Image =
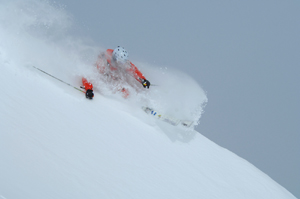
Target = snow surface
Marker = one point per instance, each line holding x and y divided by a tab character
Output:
54	143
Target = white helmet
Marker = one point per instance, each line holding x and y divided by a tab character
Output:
120	55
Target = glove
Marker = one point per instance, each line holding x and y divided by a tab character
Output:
146	83
89	94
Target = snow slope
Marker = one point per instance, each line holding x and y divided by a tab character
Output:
54	143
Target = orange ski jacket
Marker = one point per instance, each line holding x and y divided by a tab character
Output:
132	70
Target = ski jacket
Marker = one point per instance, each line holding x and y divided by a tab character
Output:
133	70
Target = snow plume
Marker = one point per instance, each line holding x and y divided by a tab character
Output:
38	33
171	92
175	93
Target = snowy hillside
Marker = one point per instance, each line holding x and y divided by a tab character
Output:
54	143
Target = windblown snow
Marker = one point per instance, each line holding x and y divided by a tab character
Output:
54	143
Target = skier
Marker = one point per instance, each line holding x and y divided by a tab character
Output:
110	64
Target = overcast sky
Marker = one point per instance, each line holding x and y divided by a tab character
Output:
244	54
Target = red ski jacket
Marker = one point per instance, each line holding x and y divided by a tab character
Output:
132	70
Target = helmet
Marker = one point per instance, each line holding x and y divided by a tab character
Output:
120	55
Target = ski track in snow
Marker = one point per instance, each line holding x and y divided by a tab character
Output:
54	143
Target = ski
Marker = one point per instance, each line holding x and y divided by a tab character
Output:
171	120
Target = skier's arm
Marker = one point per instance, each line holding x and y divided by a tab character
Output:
139	76
88	88
108	55
104	59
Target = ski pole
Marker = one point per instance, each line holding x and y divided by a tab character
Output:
58	79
